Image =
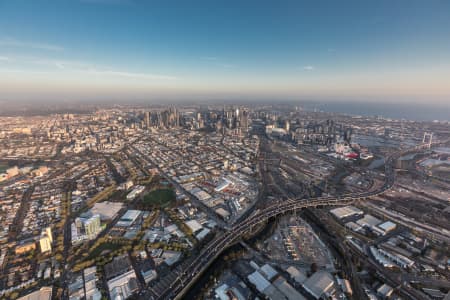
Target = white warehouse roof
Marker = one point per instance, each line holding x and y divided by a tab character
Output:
346	211
388	226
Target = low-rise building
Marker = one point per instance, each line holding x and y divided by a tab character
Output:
346	212
386	227
25	247
45	240
123	286
319	284
385	291
45	293
296	274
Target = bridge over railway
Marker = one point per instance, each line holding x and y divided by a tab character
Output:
191	270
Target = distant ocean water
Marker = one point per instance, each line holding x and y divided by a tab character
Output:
416	112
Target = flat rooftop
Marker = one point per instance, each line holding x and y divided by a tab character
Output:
346	211
319	283
45	293
107	210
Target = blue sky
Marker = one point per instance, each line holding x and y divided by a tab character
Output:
136	49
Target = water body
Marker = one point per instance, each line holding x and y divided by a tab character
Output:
377	141
394	110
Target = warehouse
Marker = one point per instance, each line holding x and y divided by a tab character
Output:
319	284
346	212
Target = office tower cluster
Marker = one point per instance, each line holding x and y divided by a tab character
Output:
168	118
233	120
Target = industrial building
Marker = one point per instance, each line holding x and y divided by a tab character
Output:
129	218
346	212
107	210
319	284
296	274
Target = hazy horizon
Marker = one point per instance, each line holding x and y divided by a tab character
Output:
387	109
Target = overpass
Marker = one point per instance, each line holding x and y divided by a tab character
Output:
192	270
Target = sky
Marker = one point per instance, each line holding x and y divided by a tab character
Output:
380	50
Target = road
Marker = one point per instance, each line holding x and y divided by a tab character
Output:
17	223
437	234
194	200
191	271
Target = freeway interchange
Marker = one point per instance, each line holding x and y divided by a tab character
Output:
191	270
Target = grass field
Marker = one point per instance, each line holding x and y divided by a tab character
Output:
159	198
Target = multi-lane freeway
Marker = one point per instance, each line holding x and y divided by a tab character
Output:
191	270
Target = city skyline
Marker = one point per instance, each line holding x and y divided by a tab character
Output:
128	50
169	150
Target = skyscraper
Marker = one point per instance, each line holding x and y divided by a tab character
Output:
244	121
147	119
